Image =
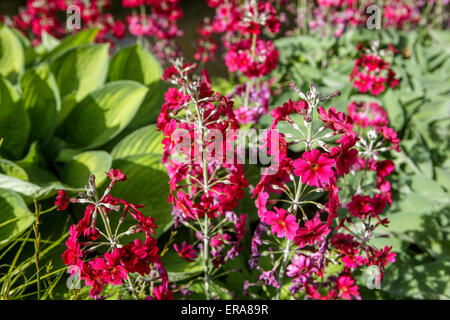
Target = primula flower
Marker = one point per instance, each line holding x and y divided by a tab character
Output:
315	168
282	223
313	231
301	268
186	252
116	175
62	200
345	156
347	288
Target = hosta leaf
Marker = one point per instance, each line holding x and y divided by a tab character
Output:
81	70
79	38
135	63
142	141
103	114
12	57
40	96
76	172
147	184
138	64
15	217
14	121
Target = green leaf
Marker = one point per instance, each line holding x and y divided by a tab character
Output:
79	38
15	217
12	56
40	96
180	269
142	141
76	172
103	114
147	184
14	121
48	41
135	63
11	169
138	64
81	70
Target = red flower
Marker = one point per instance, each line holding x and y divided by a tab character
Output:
186	252
313	230
315	168
345	156
116	175
62	200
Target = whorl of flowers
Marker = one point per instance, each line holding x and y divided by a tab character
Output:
101	253
44	15
321	208
204	187
371	72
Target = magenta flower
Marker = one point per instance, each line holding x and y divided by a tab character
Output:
347	287
315	169
186	252
282	223
301	268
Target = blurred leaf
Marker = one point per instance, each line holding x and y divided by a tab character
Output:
12	57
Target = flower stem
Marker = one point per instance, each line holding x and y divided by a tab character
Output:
282	268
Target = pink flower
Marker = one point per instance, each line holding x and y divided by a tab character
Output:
301	268
282	223
116	175
186	252
315	168
347	287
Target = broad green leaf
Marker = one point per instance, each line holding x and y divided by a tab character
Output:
138	64
81	70
11	169
40	96
15	217
180	269
14	121
76	172
48	41
135	63
69	42
12	57
103	114
142	141
147	184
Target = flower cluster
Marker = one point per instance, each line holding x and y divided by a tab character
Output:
204	187
102	255
334	17
315	224
44	16
371	72
242	26
159	23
